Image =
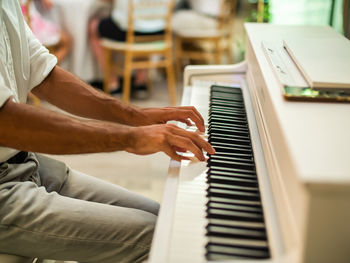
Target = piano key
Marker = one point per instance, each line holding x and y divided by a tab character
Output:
223	109
232	194
232	147
227	114
231	164
234	215
233	105
217	129
229	140
234	223
235	187
231	180
237	251
257	244
243	208
232	157
232	172
228	126
236	90
222	257
232	119
228	92
226	97
214	230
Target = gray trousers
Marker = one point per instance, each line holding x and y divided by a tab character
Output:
51	212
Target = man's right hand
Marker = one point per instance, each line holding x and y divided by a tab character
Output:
169	139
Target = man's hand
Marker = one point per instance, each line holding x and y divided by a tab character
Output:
169	139
151	116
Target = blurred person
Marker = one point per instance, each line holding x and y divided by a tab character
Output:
49	34
202	15
48	210
115	27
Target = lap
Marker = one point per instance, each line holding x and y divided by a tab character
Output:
82	218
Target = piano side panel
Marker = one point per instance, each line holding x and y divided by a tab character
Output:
309	173
290	199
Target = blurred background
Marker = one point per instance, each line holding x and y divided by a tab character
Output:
91	39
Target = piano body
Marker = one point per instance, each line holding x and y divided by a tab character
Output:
301	152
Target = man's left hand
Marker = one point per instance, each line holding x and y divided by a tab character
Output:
184	114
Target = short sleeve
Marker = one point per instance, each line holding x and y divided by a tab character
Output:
41	61
5	92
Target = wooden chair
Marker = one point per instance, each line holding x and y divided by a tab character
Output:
139	50
207	44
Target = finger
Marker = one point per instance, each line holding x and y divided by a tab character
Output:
173	155
178	149
196	113
195	137
186	121
197	119
184	142
188	113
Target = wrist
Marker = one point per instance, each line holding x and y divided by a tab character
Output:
131	139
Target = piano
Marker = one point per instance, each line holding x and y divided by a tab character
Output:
278	188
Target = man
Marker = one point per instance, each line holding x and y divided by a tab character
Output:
46	209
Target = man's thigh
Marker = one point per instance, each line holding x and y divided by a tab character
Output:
55	176
81	186
36	223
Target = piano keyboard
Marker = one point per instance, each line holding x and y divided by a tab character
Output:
236	228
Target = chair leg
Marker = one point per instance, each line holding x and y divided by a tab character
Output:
218	52
127	78
107	70
171	78
178	57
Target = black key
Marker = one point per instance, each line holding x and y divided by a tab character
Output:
231	180
236	207
232	157
238	132
228	140
218	192
234	215
235	187
223	89
236	251
253	244
214	230
234	223
221	109
227	114
231	164
231	171
232	119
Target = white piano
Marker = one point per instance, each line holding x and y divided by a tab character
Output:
279	188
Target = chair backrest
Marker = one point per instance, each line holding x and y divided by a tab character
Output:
150	11
227	14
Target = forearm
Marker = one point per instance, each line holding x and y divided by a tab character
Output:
30	128
67	92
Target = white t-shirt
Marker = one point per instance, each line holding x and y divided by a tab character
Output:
120	17
24	62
